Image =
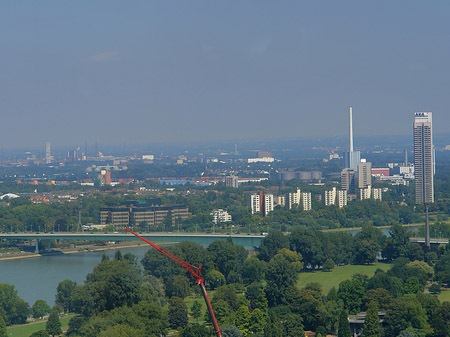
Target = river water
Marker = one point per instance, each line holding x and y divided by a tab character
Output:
37	278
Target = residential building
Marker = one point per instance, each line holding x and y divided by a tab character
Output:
365	193
220	215
377	193
306	200
232	181
268	204
255	203
341	198
294	199
329	197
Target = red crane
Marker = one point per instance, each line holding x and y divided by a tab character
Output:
195	271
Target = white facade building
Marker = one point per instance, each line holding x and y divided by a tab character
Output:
268	204
219	215
294	198
341	198
306	200
329	197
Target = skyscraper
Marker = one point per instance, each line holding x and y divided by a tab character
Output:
423	157
424	164
48	156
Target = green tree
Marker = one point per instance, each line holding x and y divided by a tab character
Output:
230	331
344	325
122	330
40	308
292	325
178	313
53	326
372	322
440	320
404	313
273	327
40	333
351	292
214	279
328	265
13	309
253	270
3	332
178	285
398	243
196	330
257	321
271	244
63	294
196	310
280	275
242	319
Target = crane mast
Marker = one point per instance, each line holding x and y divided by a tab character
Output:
194	271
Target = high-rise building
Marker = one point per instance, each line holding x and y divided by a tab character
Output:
348	180
364	174
232	181
268	204
423	158
341	198
330	197
424	164
365	193
294	198
255	203
306	201
48	156
377	193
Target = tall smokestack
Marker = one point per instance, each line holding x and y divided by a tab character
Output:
351	131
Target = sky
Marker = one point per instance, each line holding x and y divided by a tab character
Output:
142	72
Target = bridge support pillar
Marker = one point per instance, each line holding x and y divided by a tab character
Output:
37	246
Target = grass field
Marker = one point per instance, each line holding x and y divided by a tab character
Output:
444	296
338	274
27	330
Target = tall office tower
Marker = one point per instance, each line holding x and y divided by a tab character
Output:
364	174
255	203
348	180
424	163
306	201
341	198
294	198
48	156
330	197
231	181
351	158
268	204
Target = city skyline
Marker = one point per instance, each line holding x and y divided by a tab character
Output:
115	72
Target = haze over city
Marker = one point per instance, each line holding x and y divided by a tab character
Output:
173	71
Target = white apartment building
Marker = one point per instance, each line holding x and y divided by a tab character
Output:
294	198
341	198
255	203
220	215
306	200
268	204
377	193
330	197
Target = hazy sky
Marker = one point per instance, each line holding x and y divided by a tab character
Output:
158	71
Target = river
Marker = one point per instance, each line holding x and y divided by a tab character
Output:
37	278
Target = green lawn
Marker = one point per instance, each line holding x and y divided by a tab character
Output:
444	296
27	330
338	274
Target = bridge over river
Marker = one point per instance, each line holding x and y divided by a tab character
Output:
248	241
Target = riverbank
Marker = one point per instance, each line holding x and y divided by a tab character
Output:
71	250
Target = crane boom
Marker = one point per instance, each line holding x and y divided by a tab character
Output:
194	271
